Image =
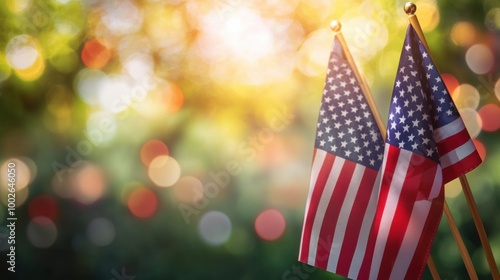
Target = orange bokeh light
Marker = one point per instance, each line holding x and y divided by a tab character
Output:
450	81
173	98
489	114
142	202
481	149
95	54
152	149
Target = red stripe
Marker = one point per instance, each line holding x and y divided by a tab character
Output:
390	166
313	205
461	167
453	142
417	185
332	213
355	221
422	253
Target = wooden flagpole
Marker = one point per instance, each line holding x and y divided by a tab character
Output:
479	227
410	10
432	268
460	243
336	26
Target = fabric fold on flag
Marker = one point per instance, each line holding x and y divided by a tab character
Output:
427	146
343	190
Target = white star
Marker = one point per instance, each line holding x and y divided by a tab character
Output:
402	119
321	143
398	134
330	138
429	152
343	144
430	67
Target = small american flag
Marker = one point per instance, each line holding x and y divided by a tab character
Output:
343	190
427	146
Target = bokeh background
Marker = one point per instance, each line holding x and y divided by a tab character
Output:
173	139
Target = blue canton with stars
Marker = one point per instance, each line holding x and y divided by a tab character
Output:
420	101
346	126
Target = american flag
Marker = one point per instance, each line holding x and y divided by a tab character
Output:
427	146
343	189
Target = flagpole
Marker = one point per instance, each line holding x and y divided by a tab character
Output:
336	26
432	268
410	9
460	242
479	227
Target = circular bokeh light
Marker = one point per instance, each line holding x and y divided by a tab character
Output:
43	206
101	231
270	225
152	149
188	189
490	117
142	202
42	232
164	171
480	59
215	228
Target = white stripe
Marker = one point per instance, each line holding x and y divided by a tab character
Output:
448	130
418	218
319	158
340	227
364	232
413	232
322	206
457	154
397	181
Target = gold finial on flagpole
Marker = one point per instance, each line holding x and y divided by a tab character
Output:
335	25
410	8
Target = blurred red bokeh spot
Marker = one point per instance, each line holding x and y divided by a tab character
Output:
142	202
95	54
270	224
43	206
